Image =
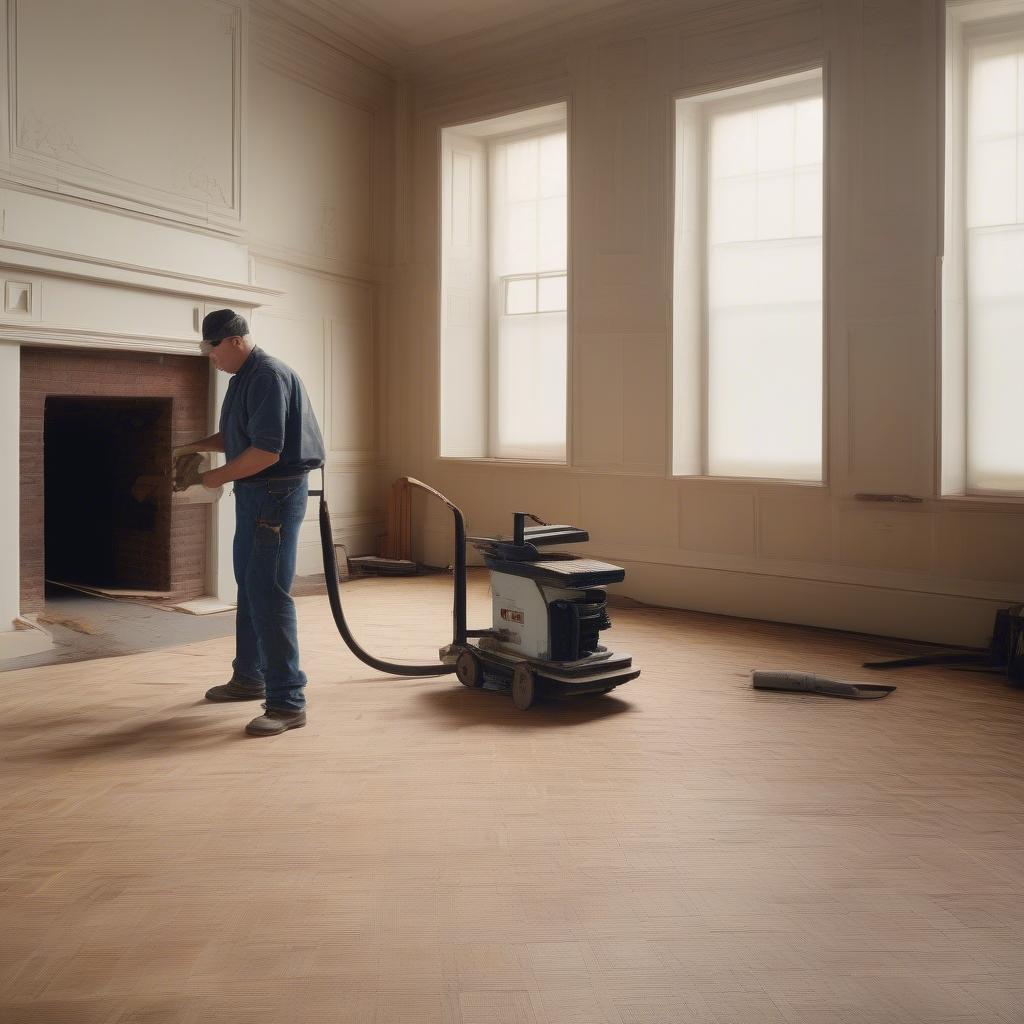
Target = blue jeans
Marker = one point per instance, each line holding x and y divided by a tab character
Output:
268	514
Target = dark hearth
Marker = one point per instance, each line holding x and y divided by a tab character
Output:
134	406
102	527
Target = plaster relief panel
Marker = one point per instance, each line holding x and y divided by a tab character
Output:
21	299
794	529
353	387
892	125
620	399
637	511
90	308
889	407
617	182
894	171
644	402
612	144
751	46
311	160
719	523
598	401
552	496
981	545
299	342
892	540
353	496
134	101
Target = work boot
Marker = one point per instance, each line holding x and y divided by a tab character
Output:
236	689
275	720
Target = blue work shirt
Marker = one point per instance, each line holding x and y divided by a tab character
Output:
267	407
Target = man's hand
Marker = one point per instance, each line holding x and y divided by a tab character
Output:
186	470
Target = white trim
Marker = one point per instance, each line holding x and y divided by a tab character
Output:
528	121
353	34
52	176
764	90
924	615
56	263
30	333
543	37
970	26
762	567
10	503
322	266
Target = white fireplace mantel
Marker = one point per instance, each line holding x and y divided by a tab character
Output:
49	297
54	263
57	298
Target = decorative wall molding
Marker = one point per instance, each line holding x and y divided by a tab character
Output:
313	59
54	263
953	618
341	461
55	165
355	520
538	39
352	452
921	582
335	269
775	36
338	238
21	298
25	333
363	39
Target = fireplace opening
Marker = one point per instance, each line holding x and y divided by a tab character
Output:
107	491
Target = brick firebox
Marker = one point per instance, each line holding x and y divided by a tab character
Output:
97	374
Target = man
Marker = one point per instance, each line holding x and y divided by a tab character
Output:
271	440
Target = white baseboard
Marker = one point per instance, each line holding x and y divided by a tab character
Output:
857	607
882	611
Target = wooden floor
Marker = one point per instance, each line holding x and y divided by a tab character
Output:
688	851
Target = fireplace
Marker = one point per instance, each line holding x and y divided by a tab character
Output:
97	429
106	493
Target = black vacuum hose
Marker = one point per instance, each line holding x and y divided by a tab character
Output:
334	596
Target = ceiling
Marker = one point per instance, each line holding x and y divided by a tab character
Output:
415	24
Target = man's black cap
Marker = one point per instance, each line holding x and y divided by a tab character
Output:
224	323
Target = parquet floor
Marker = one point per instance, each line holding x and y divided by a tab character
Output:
688	851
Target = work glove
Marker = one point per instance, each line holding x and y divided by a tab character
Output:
188	471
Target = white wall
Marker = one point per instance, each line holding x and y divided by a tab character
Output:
159	160
10	370
934	570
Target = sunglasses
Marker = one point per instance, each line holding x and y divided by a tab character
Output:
206	345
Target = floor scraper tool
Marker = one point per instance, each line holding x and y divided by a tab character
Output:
549	609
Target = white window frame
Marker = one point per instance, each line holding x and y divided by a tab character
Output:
553	275
761	93
497	286
969	24
498	291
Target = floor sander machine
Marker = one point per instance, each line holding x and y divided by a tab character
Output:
549	609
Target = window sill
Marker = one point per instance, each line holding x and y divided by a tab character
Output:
486	461
758	481
982	502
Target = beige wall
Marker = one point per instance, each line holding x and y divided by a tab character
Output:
218	154
158	160
935	570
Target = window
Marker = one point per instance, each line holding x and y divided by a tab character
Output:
748	335
505	288
983	287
